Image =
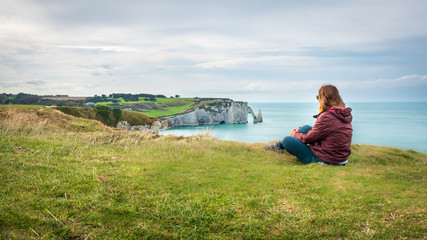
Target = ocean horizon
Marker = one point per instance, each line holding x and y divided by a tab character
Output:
395	124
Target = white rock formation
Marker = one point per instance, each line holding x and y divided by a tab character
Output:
217	112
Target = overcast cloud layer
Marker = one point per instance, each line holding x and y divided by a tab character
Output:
246	50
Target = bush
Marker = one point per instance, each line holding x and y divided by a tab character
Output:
106	115
117	113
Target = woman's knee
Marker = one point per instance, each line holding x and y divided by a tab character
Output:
290	142
305	129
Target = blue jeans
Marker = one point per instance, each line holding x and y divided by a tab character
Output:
297	148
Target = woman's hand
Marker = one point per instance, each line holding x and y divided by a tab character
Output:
295	130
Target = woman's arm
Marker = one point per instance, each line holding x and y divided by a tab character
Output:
320	130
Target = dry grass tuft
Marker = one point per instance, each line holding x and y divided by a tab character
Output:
14	121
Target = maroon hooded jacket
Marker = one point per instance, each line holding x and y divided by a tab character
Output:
330	137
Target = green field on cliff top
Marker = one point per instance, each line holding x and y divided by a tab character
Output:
156	108
63	177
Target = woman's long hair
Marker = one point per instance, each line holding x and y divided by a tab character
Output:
329	96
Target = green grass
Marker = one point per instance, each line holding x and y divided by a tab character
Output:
168	111
104	103
88	181
174	100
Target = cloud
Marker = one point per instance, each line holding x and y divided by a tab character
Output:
107	66
253	86
36	82
413	80
264	60
113	49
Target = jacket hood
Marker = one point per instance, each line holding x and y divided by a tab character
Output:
343	114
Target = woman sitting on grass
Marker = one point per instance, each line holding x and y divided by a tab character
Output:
329	140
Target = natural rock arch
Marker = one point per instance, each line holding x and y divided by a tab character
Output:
257	118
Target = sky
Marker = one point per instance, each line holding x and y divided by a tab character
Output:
246	50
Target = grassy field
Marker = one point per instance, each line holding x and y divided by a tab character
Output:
158	108
167	112
68	178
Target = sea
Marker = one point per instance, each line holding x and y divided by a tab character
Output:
398	124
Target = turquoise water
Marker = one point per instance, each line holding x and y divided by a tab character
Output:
402	125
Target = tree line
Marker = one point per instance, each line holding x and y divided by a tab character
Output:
24	98
31	99
125	96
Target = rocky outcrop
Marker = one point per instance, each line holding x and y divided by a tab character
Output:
213	112
143	128
257	118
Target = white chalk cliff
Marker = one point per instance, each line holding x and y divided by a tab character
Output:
221	111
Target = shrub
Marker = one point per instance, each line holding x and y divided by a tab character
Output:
105	115
117	113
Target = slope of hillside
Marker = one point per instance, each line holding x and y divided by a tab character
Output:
72	178
108	116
